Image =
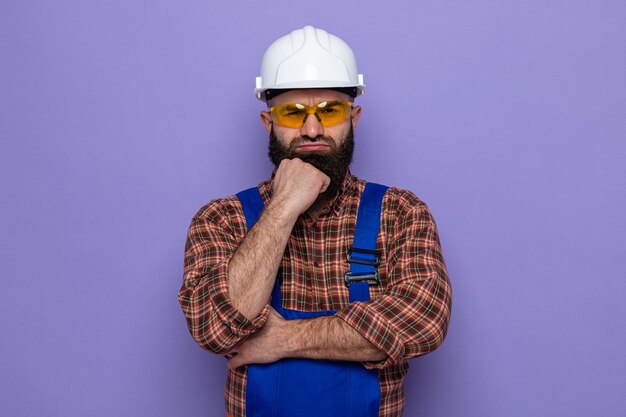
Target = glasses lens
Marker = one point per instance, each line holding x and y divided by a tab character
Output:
329	113
333	112
289	115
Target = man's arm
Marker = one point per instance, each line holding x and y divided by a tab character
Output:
253	268
226	287
326	337
410	317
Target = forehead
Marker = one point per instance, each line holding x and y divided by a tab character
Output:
309	96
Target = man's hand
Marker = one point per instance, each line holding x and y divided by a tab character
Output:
264	346
297	185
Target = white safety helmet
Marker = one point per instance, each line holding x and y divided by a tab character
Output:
308	58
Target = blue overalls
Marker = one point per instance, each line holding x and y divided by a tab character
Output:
320	388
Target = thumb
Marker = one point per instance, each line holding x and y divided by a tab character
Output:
325	183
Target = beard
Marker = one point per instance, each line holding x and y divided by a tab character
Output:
334	163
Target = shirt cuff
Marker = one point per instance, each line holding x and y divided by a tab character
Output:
226	311
370	325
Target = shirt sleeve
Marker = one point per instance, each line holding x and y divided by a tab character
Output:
213	321
410	317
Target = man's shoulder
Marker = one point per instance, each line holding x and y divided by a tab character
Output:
227	206
401	197
395	197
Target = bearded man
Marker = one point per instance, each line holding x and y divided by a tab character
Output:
317	286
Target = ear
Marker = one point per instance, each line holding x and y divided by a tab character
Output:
355	115
266	119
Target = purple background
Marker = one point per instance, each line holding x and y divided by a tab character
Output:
119	119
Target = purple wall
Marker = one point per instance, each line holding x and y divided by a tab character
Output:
119	119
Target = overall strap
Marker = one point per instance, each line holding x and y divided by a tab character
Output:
363	256
252	204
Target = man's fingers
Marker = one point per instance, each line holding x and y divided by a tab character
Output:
297	184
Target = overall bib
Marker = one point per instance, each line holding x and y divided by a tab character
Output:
320	388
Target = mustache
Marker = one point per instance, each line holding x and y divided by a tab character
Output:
301	140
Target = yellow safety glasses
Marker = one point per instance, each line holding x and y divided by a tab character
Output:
328	113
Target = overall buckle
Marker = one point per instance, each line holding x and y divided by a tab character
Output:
371	277
374	263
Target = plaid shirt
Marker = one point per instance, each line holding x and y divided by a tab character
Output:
408	313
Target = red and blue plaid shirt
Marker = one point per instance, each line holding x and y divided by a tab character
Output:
408	313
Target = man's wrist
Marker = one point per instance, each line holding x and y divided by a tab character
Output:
326	337
279	212
303	337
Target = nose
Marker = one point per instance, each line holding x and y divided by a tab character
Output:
312	127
